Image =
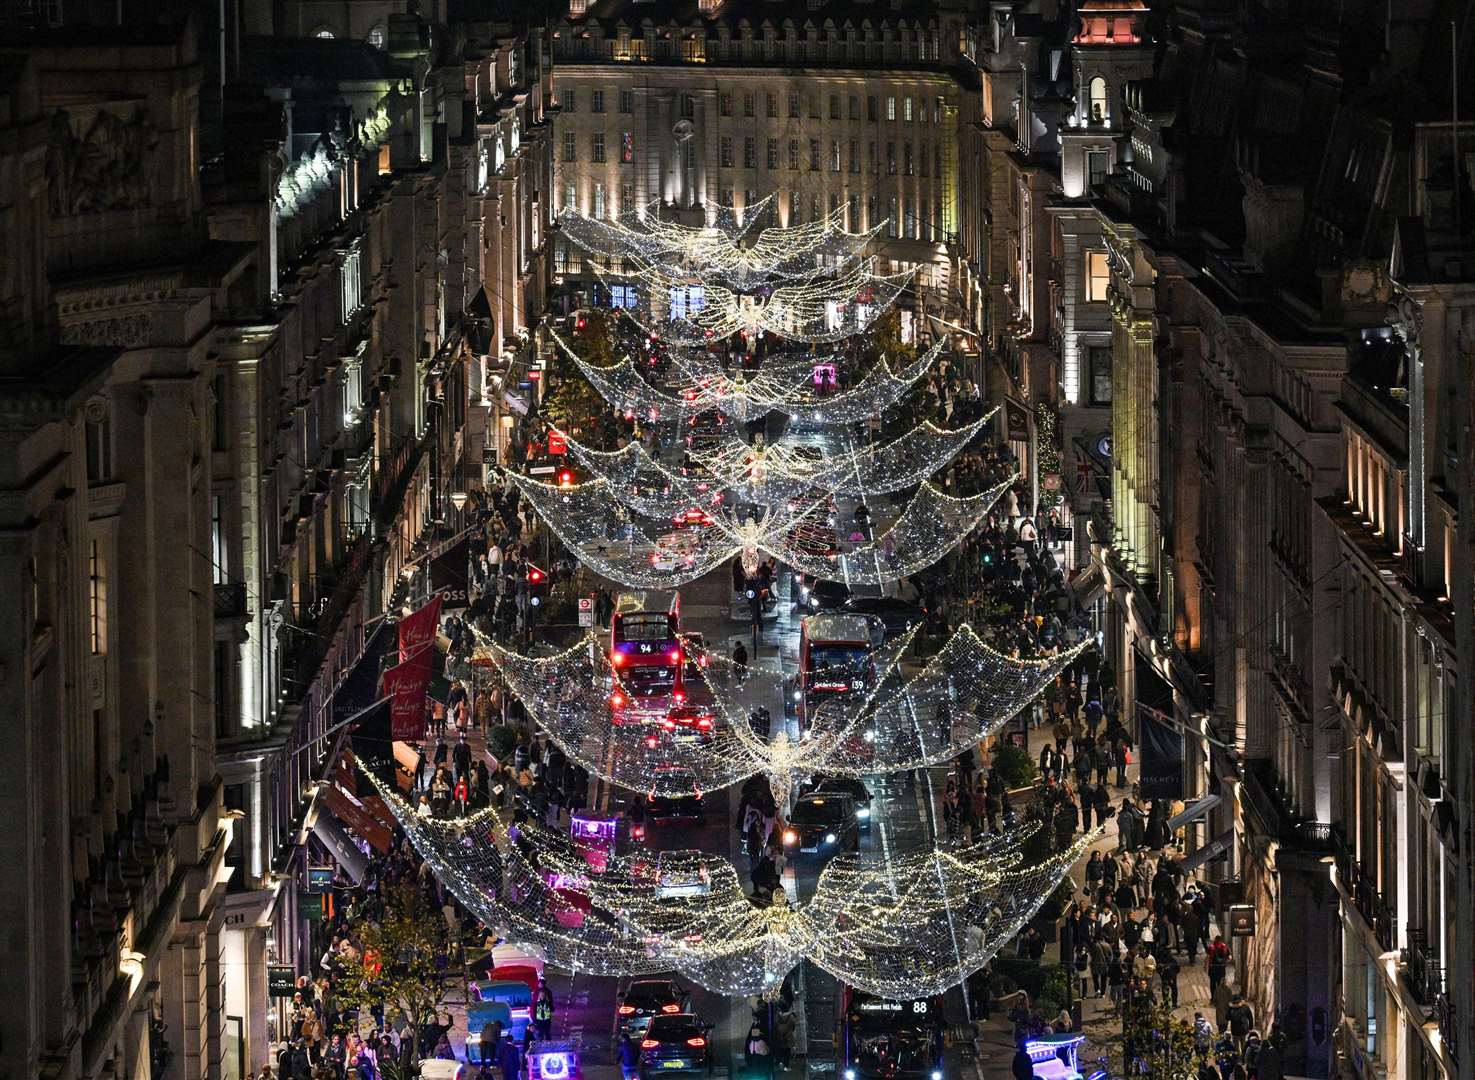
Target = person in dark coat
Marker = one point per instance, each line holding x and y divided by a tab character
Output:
1023	1067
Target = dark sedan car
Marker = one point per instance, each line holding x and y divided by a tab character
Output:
823	595
823	823
850	786
895	615
675	1044
644	999
674	797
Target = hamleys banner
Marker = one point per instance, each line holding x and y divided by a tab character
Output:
417	634
405	686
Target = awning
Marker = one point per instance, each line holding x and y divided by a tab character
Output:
352	813
1212	850
448	575
1193	811
517	404
1088	584
340	845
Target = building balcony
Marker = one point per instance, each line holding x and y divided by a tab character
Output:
1264	792
230	600
1419	965
1449	1030
1360	887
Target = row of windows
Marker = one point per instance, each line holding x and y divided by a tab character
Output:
923	160
907	108
911	219
624	47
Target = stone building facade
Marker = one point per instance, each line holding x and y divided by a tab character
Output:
1268	467
852	112
117	837
391	196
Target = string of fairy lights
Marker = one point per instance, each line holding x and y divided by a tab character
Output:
906	925
901	924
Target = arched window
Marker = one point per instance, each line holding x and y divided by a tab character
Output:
376	36
323	32
1097	101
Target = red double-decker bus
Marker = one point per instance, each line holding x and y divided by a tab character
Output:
646	653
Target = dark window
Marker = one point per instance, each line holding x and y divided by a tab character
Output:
1099	359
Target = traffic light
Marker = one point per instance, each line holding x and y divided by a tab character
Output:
537	580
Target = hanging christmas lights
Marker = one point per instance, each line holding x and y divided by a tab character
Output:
742	255
902	926
694	311
592	523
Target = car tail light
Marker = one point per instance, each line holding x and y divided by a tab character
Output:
617	659
680	696
617	700
675	656
701	661
670	1008
697	1041
704	722
668	724
650	742
626	1010
648	1044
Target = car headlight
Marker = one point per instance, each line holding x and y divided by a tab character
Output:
849	1074
862	811
830	838
936	1074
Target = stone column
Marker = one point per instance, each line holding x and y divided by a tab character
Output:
170	531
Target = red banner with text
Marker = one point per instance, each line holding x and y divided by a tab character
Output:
405	687
417	634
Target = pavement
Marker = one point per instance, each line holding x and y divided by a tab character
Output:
1100	1020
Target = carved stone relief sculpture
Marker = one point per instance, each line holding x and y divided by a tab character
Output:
106	167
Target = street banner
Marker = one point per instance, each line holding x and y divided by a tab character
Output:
417	635
1161	746
405	686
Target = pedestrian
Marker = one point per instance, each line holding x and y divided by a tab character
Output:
1216	961
543	1011
461	756
1023	1066
1167	973
1101	954
759	1055
784	1025
1241	1020
1115	978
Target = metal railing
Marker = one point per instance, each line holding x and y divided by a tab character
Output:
1362	888
1449	1025
1420	967
230	600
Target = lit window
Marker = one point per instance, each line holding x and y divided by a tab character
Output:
97	598
324	33
1097	98
598	145
376	37
1097	276
891	108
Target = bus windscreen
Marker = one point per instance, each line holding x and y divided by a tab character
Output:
644	627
